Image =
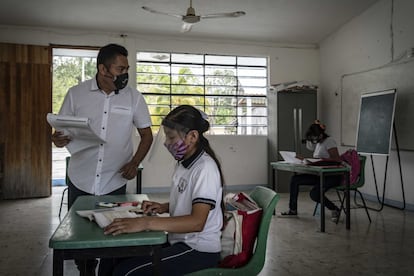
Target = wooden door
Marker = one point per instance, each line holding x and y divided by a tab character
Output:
25	99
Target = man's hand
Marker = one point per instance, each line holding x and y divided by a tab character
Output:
129	170
59	139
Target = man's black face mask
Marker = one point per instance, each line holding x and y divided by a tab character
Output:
121	81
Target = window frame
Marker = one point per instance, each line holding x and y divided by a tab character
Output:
242	121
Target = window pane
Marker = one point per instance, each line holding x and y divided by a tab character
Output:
153	68
187	89
253	61
186	58
153	88
221	101
187	69
259	91
253	81
187	79
153	56
251	72
221	90
153	78
220	59
221	70
179	100
221	80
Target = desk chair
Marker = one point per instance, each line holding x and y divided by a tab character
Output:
267	199
353	187
66	189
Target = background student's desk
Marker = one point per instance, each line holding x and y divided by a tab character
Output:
77	237
321	172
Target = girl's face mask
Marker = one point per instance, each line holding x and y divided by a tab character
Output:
315	139
177	149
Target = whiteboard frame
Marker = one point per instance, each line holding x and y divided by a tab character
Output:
373	94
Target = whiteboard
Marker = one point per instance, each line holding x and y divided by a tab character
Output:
375	122
399	76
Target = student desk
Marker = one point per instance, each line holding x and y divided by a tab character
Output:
321	172
77	237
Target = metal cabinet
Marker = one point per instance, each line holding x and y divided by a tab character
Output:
295	112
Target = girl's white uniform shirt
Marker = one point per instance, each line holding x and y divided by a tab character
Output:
198	181
321	149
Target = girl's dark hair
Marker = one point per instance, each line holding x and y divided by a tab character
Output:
107	54
315	130
185	118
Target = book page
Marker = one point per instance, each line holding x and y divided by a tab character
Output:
78	129
103	219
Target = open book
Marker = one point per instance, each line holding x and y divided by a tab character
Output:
104	217
78	129
290	157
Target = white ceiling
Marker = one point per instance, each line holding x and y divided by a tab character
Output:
282	21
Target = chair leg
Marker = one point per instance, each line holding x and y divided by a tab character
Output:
61	201
365	206
342	208
315	209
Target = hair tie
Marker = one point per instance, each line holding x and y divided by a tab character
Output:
322	126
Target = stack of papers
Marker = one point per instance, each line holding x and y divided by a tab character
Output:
78	129
290	157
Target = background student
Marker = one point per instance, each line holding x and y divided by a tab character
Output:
323	147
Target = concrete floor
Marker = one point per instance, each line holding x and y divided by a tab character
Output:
295	245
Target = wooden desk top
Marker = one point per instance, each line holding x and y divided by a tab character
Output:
76	232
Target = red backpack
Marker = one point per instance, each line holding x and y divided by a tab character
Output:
351	158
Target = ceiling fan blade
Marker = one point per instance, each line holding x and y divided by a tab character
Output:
160	12
222	15
186	27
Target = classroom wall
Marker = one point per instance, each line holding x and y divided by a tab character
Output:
244	158
373	39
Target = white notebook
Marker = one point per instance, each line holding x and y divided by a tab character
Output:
290	157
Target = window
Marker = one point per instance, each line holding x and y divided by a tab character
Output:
231	90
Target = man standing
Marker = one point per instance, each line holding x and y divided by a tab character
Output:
114	110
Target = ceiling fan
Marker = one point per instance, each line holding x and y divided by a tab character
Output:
191	17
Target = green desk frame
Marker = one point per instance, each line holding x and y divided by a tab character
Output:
77	237
139	179
321	172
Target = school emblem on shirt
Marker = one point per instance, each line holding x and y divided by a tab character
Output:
182	185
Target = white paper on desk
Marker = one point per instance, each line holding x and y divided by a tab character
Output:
290	157
312	160
78	129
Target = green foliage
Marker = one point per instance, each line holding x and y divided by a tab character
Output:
67	72
155	79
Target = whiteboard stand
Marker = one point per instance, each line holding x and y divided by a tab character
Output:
382	201
375	127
